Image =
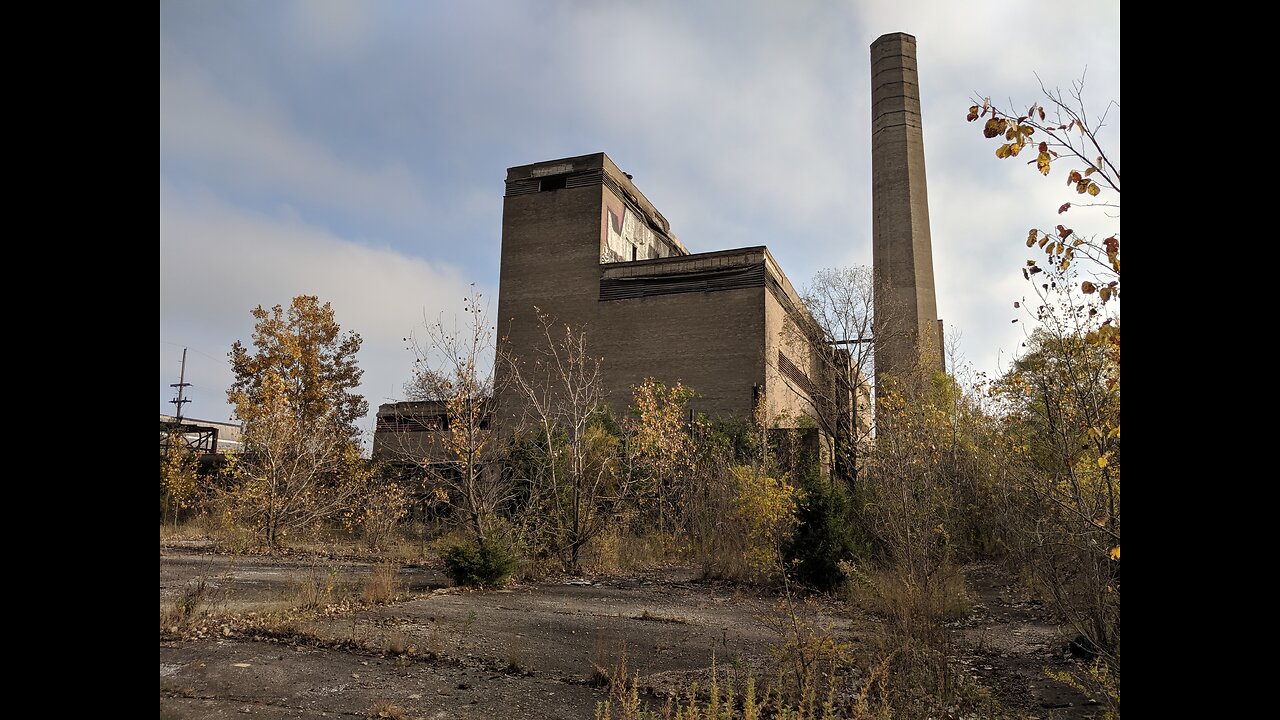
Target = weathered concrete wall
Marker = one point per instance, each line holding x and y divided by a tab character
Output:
411	432
902	252
794	382
694	318
710	341
550	259
628	235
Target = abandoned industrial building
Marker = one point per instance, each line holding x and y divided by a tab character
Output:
584	246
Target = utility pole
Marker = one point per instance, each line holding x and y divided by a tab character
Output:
182	385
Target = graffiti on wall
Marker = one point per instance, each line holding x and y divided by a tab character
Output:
626	236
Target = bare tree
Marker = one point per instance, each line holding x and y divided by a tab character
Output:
571	459
837	335
454	367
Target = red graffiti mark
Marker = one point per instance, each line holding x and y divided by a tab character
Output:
615	218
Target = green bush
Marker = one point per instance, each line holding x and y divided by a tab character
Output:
825	535
479	563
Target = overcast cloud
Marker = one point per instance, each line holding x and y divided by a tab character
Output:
356	150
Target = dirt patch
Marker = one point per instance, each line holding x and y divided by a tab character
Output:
1009	644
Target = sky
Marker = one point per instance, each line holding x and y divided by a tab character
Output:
357	150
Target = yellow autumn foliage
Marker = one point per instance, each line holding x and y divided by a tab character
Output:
766	507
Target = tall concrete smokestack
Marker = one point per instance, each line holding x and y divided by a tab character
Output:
906	332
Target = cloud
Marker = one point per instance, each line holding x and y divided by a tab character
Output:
732	123
1000	47
746	123
244	138
337	29
755	127
218	261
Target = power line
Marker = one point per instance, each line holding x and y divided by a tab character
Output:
194	350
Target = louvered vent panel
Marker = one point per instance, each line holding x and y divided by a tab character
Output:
533	185
522	187
796	375
591	177
703	281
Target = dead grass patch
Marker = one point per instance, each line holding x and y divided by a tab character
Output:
313	590
387	710
382	585
654	617
910	605
199	598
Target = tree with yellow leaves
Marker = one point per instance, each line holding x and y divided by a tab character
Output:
660	450
295	392
1062	130
1060	403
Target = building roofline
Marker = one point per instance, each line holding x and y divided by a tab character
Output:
771	264
405	405
191	420
687	258
614	176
